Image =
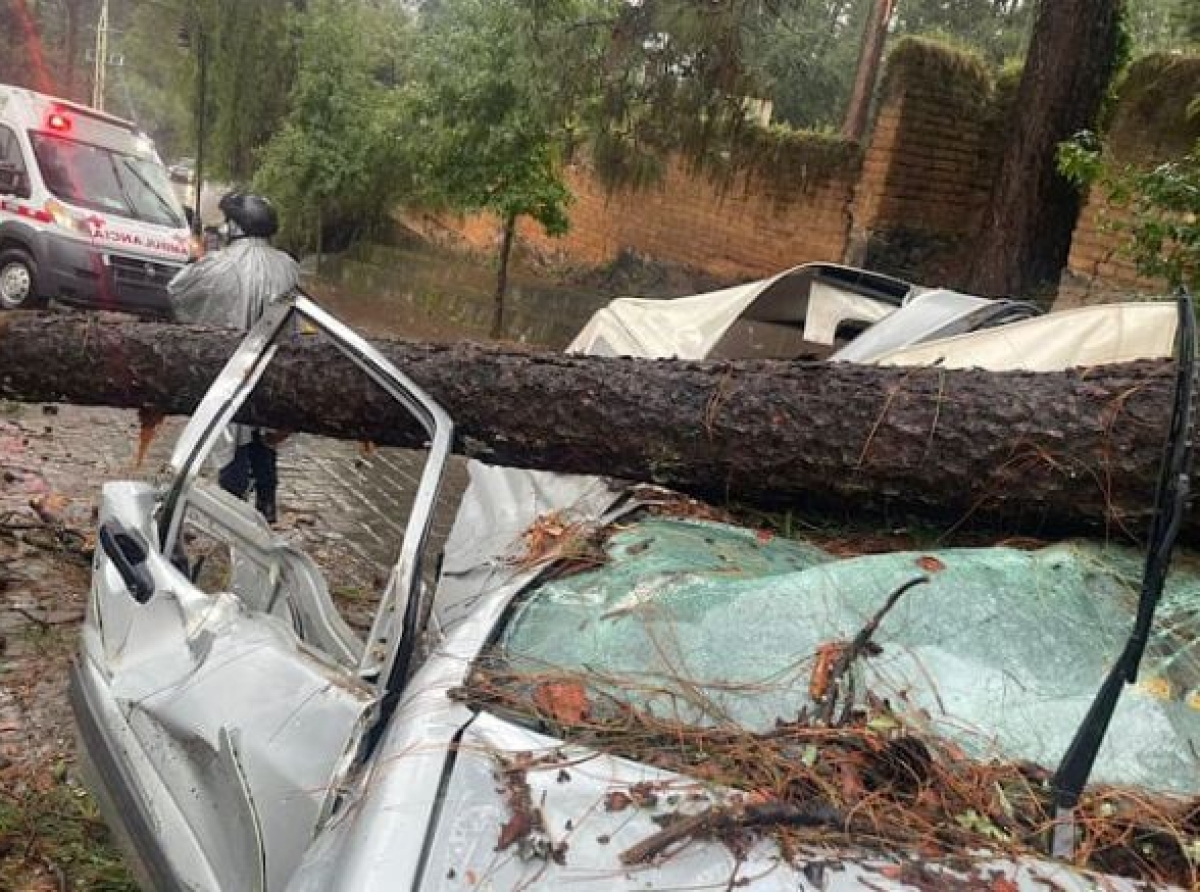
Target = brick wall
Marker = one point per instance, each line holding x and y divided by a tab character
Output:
737	231
1150	125
911	206
926	173
1099	270
904	205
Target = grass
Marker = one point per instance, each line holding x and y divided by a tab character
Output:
52	836
959	74
1152	121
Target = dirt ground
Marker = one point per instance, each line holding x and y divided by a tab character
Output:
342	504
51	837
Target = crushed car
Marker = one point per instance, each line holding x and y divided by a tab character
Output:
610	686
811	311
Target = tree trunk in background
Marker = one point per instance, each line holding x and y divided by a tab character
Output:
320	236
1017	452
71	49
1032	213
510	231
874	39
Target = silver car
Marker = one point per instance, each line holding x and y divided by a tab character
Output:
526	724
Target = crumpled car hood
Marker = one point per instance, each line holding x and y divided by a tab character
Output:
593	807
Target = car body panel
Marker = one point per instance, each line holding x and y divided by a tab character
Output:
812	311
1078	337
798	310
259	743
229	719
441	769
570	787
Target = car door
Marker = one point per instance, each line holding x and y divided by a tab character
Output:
220	695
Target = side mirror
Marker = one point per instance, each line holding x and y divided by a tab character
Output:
128	552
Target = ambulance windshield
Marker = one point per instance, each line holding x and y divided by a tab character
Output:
104	180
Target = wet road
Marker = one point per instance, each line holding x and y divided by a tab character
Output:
344	503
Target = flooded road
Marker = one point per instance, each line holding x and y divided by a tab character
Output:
425	294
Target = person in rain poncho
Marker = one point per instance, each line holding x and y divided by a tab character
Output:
231	288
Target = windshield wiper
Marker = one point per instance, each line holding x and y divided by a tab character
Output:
172	217
1170	502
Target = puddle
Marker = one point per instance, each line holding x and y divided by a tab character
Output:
428	295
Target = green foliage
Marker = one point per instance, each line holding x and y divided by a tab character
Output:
43	45
1151	121
1166	230
806	54
1080	159
154	86
952	70
334	161
1163	229
804	60
787	162
995	30
57	823
483	115
251	62
1163	25
249	56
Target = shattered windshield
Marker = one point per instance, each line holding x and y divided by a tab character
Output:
697	624
94	177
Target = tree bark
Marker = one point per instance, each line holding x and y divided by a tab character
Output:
510	232
869	61
320	236
1031	216
1015	451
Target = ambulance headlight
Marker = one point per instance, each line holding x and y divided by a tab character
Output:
67	219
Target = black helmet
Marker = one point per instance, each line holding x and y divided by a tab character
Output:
252	214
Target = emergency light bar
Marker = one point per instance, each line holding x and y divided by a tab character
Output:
58	122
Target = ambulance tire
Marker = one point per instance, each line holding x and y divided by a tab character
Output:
18	280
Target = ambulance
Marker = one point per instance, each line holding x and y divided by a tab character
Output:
87	212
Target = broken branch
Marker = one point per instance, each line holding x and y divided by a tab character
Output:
857	647
715	821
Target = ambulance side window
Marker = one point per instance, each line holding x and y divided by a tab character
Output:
12	162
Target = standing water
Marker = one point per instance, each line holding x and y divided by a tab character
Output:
422	293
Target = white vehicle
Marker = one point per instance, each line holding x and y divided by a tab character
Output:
87	213
523	725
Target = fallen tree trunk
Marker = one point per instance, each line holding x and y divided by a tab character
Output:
1015	451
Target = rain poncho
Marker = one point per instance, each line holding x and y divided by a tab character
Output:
231	288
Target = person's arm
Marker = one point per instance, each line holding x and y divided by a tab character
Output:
192	289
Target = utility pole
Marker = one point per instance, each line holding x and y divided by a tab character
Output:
100	74
193	36
201	122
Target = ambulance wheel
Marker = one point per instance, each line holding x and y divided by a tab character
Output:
18	280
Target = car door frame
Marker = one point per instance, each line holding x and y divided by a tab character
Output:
126	776
391	643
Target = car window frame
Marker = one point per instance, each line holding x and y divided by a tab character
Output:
391	644
11	143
